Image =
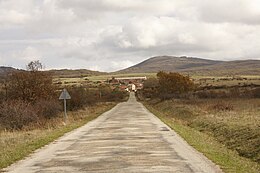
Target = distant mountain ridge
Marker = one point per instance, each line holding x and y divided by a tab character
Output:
183	64
197	66
4	71
75	73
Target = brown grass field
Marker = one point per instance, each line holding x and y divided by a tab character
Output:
221	119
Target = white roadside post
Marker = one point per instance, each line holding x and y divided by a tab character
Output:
64	96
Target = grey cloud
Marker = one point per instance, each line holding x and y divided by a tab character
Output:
232	11
112	34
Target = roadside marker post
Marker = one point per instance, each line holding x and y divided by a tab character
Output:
65	96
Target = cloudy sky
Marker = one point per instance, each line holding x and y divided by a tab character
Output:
108	35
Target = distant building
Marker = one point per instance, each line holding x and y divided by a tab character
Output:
128	83
132	87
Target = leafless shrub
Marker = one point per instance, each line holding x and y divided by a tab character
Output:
211	94
81	97
256	93
223	107
48	108
31	85
16	114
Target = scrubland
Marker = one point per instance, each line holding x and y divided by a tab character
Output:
31	112
221	121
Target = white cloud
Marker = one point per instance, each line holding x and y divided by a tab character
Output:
29	54
121	64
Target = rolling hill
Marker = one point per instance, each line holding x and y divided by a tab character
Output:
67	73
63	73
195	66
4	71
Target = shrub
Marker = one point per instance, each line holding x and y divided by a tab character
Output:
108	94
256	93
223	107
31	85
81	97
48	108
211	94
173	84
16	114
150	88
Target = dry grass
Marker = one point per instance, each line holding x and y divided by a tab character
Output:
227	81
233	122
228	160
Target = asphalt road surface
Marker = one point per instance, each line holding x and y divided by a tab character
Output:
127	138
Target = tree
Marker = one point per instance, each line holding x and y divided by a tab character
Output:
34	66
31	85
173	84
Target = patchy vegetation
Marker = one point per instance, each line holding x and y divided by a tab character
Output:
229	115
30	112
227	159
30	98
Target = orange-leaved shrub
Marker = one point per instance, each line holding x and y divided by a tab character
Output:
173	84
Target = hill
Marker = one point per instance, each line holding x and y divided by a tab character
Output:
64	73
196	66
4	71
67	73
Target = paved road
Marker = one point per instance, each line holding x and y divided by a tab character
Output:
127	138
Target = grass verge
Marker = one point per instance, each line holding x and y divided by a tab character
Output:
19	144
228	160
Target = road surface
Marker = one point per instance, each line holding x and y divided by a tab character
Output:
128	138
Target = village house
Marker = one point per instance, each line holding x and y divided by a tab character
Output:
128	83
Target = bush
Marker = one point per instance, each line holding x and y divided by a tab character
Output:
256	93
108	94
16	114
81	97
173	85
48	108
31	85
223	107
211	94
150	88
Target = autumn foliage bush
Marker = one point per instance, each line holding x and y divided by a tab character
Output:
167	86
173	84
